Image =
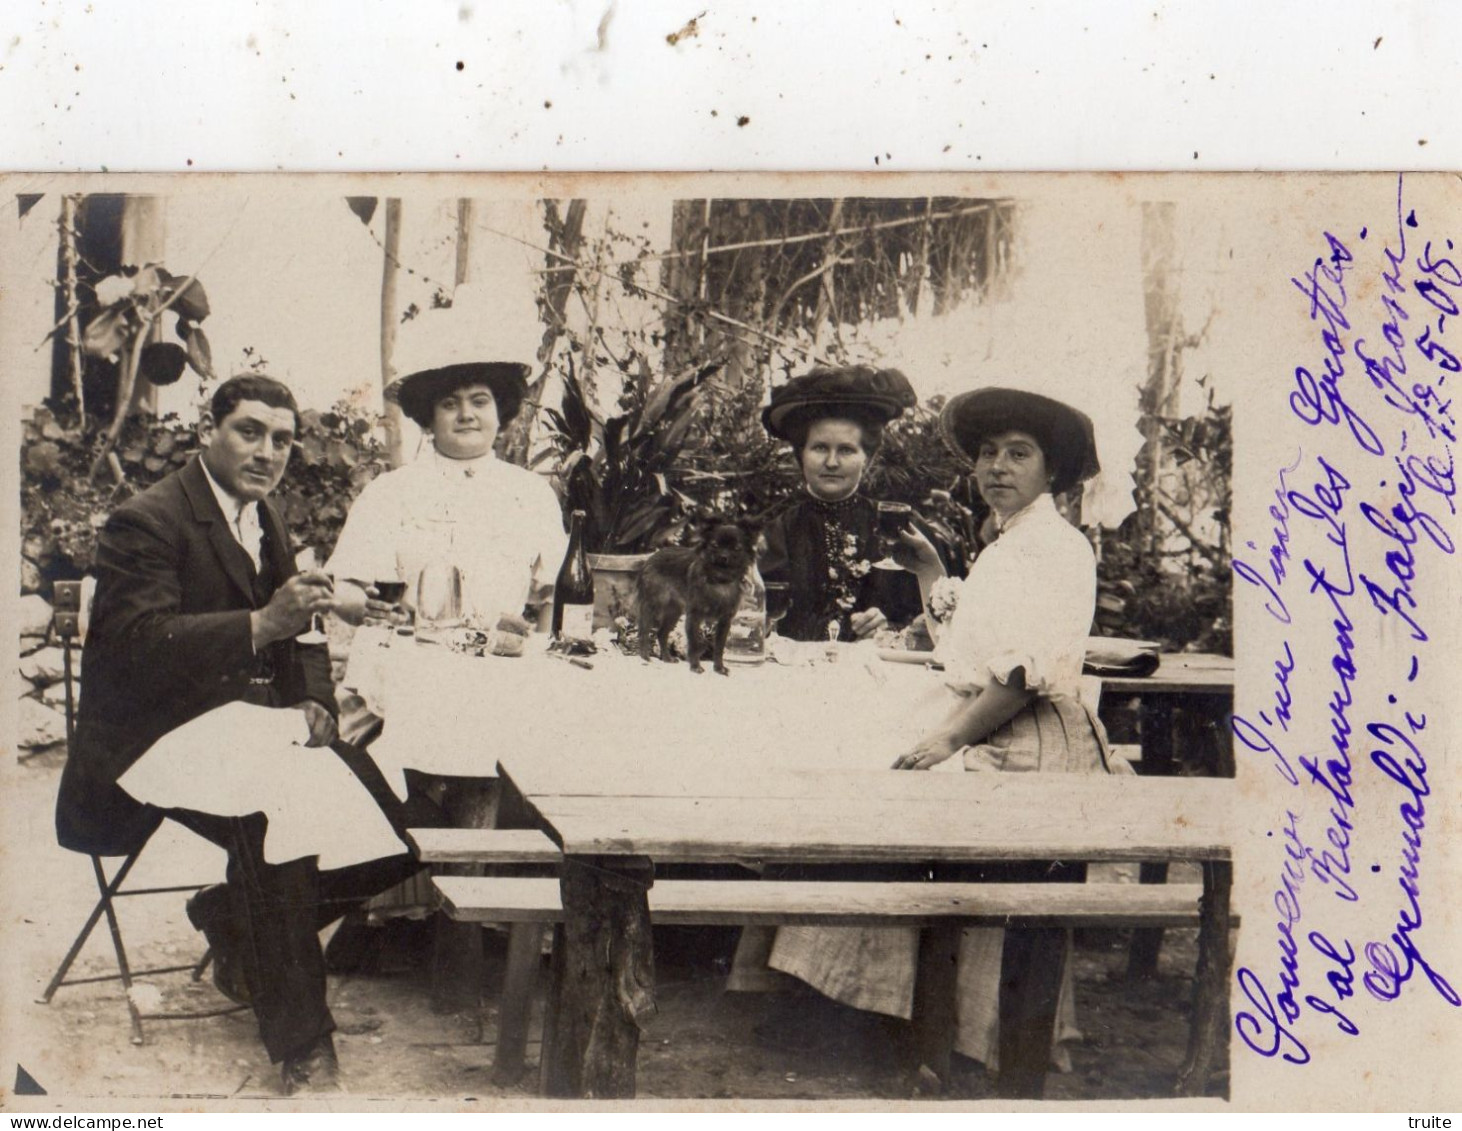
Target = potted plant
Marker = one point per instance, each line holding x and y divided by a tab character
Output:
618	470
123	330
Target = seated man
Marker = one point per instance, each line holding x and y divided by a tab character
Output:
197	605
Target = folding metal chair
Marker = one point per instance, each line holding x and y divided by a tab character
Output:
66	620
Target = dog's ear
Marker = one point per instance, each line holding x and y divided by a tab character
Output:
695	528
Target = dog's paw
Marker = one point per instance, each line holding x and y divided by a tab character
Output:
722	669
697	668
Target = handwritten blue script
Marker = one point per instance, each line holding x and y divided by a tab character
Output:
1358	520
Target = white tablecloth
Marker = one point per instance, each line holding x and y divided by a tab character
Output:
451	714
240	759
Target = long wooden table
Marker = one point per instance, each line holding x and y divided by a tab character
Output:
1186	703
614	820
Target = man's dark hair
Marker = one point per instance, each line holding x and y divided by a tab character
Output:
252	387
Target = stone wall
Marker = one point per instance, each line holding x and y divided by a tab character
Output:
41	713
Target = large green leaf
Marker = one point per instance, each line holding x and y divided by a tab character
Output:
162	363
105	334
640	522
192	304
577	417
668	395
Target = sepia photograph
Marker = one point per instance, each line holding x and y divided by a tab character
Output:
751	639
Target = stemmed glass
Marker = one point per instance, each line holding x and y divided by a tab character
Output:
307	561
779	603
892	519
392	592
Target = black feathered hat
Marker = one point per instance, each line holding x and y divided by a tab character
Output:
857	392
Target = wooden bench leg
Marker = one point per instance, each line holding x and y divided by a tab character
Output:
1030	987
458	964
1209	1032
1156	722
525	943
1146	941
934	998
604	976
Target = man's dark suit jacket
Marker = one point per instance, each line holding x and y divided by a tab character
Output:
169	640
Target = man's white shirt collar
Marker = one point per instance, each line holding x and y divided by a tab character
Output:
243	518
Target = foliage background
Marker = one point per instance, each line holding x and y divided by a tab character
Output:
626	418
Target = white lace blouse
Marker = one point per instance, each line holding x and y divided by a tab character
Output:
500	524
1027	603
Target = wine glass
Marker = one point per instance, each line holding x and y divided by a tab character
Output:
389	591
307	561
392	592
779	602
892	519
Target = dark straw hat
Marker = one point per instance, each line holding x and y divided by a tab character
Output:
417	393
1064	434
859	392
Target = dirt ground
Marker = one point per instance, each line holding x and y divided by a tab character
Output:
702	1045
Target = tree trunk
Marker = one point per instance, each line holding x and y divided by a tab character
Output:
389	317
144	240
827	295
920	272
73	323
682	277
1160	292
566	239
464	240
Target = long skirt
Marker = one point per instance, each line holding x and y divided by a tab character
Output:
875	968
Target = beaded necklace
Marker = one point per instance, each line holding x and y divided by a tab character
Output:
841	558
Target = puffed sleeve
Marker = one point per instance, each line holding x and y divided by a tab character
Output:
1026	605
366	548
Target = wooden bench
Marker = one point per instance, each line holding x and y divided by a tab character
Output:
503	899
528	904
483	846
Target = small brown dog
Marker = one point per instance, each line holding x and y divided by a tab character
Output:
701	581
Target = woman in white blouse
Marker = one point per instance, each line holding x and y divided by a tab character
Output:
1012	654
457	505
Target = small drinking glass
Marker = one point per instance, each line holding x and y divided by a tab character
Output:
892	519
438	597
779	603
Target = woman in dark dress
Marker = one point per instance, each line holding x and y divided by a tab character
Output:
824	542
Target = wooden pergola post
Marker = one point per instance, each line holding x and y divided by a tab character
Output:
391	262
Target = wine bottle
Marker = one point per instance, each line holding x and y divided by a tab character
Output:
573	592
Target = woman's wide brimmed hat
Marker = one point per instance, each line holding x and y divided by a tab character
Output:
857	392
448	348
1064	434
417	393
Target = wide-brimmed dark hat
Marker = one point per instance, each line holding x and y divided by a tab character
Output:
858	392
417	393
1064	433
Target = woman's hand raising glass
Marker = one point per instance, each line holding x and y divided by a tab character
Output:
914	552
374	604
